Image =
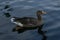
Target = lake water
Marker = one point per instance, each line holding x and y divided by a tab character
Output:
28	8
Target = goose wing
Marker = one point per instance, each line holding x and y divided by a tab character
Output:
28	21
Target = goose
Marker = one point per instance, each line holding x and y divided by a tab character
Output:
26	22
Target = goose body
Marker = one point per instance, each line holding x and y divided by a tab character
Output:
28	21
25	21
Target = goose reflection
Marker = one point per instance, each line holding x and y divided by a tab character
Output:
21	30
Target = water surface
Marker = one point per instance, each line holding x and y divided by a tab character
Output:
28	8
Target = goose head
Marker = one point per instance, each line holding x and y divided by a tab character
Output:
39	12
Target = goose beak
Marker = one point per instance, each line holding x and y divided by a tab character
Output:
43	12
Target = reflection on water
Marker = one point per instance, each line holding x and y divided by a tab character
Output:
42	32
7	6
7	14
21	30
6	9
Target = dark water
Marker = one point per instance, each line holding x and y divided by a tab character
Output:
28	8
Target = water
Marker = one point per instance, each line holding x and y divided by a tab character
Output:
28	8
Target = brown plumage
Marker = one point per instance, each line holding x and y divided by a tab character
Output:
29	21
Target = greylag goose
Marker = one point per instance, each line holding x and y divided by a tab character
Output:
28	21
